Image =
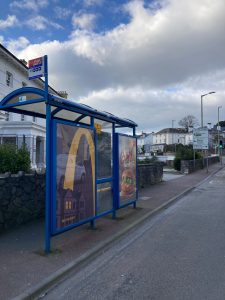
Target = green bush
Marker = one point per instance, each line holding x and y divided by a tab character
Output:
13	159
184	153
177	163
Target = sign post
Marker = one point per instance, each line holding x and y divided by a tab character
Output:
38	67
201	141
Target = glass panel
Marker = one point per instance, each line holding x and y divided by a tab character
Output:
75	175
86	120
39	107
127	168
24	97
105	197
104	148
67	115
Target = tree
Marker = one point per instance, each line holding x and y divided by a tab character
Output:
188	121
221	123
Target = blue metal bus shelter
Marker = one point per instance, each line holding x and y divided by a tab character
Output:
91	167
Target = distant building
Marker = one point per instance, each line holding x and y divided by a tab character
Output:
170	136
15	128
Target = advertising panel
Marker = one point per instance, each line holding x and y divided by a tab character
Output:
75	175
36	68
200	138
127	168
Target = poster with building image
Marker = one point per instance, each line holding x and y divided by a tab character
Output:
75	175
127	168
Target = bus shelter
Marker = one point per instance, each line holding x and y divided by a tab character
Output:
91	166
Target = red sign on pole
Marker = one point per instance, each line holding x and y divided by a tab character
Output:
36	68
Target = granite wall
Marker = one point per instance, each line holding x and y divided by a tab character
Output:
189	166
149	174
22	199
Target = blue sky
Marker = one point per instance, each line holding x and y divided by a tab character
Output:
149	61
42	20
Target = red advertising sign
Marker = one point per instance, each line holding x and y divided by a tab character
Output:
36	68
127	168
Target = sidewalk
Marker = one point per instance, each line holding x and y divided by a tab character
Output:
25	270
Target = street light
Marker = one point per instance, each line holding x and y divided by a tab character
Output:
172	133
218	127
202	106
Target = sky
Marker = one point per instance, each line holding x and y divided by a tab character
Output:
148	61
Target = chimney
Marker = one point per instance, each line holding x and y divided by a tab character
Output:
63	94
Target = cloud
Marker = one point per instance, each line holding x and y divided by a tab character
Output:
62	12
10	21
41	23
84	21
152	69
88	3
19	44
34	5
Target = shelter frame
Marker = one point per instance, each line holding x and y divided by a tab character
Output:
40	103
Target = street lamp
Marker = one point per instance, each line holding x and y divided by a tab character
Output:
218	127
172	131
202	106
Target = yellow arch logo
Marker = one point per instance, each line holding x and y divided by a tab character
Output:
71	161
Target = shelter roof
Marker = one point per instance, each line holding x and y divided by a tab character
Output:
32	101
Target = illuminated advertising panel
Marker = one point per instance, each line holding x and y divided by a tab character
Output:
127	168
75	175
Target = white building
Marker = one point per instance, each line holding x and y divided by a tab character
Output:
170	136
17	128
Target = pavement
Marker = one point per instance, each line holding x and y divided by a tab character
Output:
26	272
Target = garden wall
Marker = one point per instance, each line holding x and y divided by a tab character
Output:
22	197
149	174
189	166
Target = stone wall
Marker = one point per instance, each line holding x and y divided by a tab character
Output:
149	174
22	199
189	166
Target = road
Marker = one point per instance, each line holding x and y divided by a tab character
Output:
178	254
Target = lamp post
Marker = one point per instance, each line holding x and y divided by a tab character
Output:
218	127
172	133
202	106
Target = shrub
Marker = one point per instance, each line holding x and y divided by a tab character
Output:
177	163
13	159
184	153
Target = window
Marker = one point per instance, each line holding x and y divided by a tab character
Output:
9	79
22	117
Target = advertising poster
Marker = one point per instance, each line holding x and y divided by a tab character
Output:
127	168
75	175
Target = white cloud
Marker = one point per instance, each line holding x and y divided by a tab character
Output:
19	44
153	69
10	21
62	12
41	23
84	21
34	5
88	3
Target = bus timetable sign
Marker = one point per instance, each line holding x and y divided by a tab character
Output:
200	139
36	68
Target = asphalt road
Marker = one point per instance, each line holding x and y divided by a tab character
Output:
178	254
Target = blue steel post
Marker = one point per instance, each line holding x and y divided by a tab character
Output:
134	205
48	163
115	170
